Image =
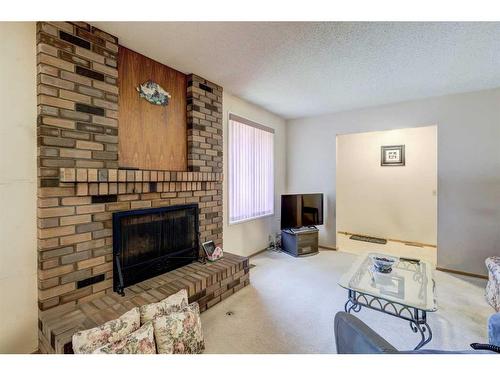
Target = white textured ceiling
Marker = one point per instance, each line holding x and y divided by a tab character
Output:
298	69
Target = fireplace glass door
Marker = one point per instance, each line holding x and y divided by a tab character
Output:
149	242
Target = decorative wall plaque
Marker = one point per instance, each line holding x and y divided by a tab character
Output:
153	93
393	156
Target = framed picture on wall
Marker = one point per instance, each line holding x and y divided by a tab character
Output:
392	156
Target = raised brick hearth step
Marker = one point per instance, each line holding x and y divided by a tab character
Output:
206	284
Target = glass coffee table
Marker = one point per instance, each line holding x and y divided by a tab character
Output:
407	292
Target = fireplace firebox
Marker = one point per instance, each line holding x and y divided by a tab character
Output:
149	242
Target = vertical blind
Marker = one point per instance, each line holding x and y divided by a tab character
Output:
251	170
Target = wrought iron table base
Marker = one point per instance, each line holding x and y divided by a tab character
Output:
416	317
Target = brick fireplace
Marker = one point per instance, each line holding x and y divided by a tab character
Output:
80	182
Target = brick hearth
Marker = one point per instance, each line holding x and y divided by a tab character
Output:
206	284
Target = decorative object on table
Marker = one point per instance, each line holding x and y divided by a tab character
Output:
153	93
382	263
392	156
213	253
493	286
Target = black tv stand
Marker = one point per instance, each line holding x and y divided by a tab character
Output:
300	241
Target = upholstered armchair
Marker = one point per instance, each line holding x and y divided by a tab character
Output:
493	286
352	336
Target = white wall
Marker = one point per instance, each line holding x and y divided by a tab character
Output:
395	202
388	201
252	236
468	167
18	255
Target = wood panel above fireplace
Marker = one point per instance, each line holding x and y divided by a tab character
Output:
151	136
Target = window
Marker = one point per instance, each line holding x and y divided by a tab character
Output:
251	170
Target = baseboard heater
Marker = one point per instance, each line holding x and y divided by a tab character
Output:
356	237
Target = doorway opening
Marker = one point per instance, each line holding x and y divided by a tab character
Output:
386	192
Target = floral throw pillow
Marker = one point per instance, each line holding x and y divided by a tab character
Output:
141	341
175	302
180	332
87	341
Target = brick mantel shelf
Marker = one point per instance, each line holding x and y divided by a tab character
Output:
116	181
123	175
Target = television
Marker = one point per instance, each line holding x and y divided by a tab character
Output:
301	210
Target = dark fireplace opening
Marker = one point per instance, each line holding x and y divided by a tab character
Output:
149	242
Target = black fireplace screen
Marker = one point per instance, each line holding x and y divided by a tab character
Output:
149	242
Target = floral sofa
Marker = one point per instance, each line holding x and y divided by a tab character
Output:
493	286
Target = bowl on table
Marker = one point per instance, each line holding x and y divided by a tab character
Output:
383	263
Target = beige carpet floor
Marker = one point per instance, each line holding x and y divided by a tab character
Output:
290	304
